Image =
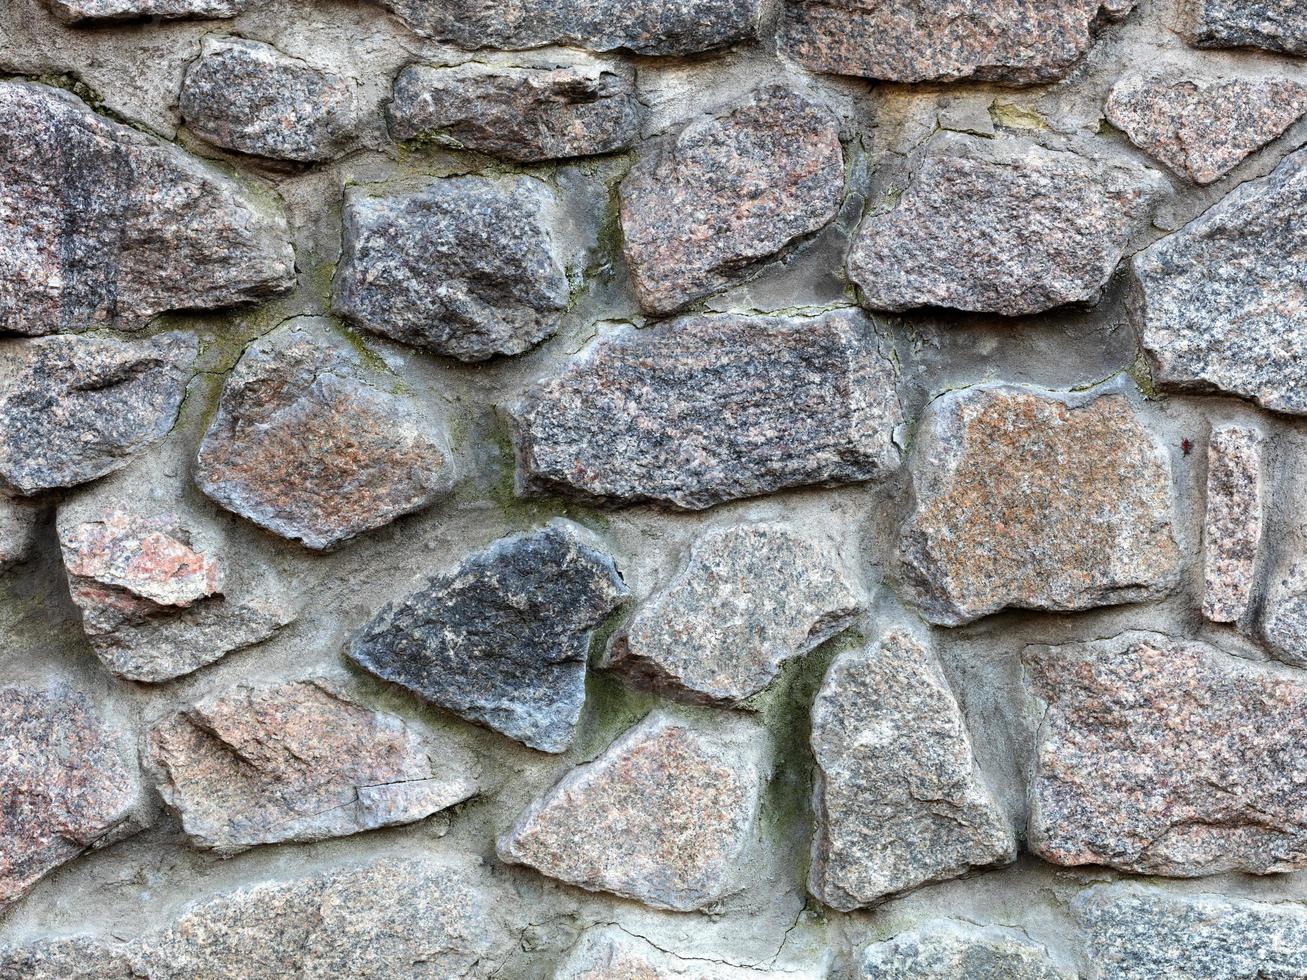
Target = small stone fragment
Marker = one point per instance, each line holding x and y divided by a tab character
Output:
64	787
468	267
728	194
73	409
1274	25
1224	298
999	227
1200	130
107	227
1030	499
1284	615
664	816
526	114
702	410
312	446
503	639
1167	757
18	523
612	953
1232	534
1140	933
751	597
85	11
249	97
1010	41
946	950
900	801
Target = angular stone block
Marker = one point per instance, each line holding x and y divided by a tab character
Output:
98	11
947	950
1232	532
1274	25
612	953
1284	615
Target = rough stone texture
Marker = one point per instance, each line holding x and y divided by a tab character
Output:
1284	615
18	528
1001	227
1202	130
1275	25
665	816
655	27
469	267
899	799
249	97
301	761
612	953
127	227
947	950
73	409
1232	533
703	410
64	788
85	11
1140	933
525	114
1035	500
753	183
503	639
750	597
926	40
1167	757
1225	296
78	958
313	446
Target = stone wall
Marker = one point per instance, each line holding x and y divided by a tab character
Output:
680	488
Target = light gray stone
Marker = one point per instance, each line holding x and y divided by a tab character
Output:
77	958
96	11
1284	615
948	950
1232	532
612	953
1275	25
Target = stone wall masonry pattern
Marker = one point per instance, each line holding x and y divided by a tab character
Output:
670	490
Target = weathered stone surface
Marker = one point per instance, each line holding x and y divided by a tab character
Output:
946	950
64	788
665	816
1162	756
1000	227
728	193
519	113
928	40
1035	500
106	226
249	97
18	523
1202	130
78	958
654	27
1225	296
81	11
1275	25
1232	533
900	801
1140	933
301	761
612	953
1284	615
503	639
469	267
75	408
313	446
750	597
703	410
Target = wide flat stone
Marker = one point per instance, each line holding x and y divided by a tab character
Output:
755	182
703	410
926	40
19	521
750	597
503	639
311	443
1232	530
1139	933
998	226
1167	757
84	11
73	409
64	786
1031	499
1203	130
468	267
1274	25
947	950
1225	297
1284	615
612	953
526	114
665	816
249	97
107	226
900	801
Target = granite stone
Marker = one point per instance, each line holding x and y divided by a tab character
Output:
76	958
1273	25
947	950
1284	615
612	953
1232	531
102	11
19	525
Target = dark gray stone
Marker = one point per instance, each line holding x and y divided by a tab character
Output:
503	639
18	525
1274	25
77	958
89	11
947	950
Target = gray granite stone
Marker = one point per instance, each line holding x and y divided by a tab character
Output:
948	950
469	267
1284	615
756	181
76	958
95	11
899	799
612	953
1274	25
107	226
18	529
1232	531
703	410
502	639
